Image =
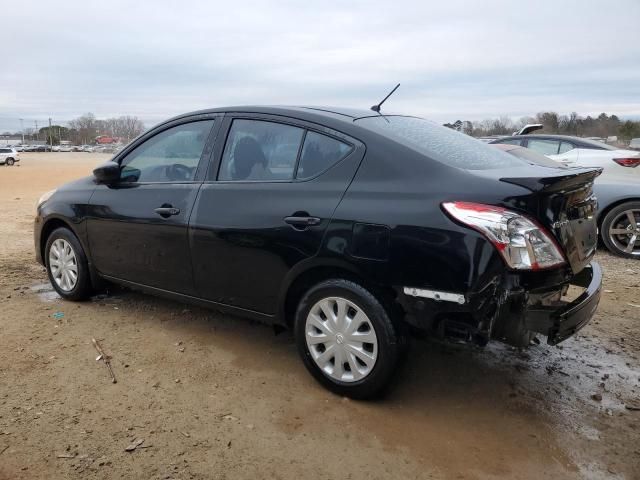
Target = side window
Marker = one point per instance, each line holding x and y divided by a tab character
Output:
320	152
170	156
260	150
566	147
545	147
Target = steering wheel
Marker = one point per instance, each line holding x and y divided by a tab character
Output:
177	171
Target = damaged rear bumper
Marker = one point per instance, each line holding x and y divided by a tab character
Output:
563	319
510	310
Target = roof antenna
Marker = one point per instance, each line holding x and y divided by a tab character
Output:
376	108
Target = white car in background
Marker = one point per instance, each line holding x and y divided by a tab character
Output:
582	152
8	156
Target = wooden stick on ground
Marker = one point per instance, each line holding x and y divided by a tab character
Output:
105	358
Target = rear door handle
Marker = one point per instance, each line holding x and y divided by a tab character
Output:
302	222
166	212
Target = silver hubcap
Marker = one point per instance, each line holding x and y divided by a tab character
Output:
341	339
625	232
63	265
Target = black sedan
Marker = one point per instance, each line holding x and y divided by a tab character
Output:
346	226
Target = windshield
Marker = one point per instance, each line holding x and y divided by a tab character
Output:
440	143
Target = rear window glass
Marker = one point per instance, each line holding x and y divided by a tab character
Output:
258	150
320	152
534	157
440	143
594	144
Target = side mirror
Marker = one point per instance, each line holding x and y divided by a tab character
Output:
107	173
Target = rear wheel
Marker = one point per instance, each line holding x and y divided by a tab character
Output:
346	339
621	230
67	265
10	161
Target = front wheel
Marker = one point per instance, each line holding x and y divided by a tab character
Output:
621	230
346	339
67	265
10	161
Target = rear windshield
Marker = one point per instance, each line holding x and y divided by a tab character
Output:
595	144
534	158
440	143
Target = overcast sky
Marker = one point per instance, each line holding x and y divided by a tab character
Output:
455	59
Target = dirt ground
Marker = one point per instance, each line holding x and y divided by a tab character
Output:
214	396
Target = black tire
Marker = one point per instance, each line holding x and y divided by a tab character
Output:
9	161
83	288
391	341
617	244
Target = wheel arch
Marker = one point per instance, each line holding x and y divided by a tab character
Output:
49	226
301	279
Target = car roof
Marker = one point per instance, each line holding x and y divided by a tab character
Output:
310	112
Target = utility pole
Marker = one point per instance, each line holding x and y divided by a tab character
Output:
22	129
50	135
37	132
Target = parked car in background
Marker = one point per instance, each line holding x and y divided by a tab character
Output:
9	156
38	148
65	148
372	224
634	144
86	148
575	151
618	205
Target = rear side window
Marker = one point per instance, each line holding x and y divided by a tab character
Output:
5	150
566	147
440	143
320	152
258	150
545	147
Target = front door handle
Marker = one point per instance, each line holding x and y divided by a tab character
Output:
167	211
302	222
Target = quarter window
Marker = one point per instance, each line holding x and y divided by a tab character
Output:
545	147
170	156
320	152
257	150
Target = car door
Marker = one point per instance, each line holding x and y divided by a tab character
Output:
137	227
267	201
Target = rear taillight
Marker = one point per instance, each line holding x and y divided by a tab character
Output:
628	162
522	244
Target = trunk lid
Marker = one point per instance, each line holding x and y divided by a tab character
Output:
563	202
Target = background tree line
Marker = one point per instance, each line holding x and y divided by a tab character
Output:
84	129
573	124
